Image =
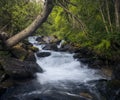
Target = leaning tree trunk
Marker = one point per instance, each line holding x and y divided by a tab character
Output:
33	26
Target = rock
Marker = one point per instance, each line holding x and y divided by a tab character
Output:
50	39
116	72
26	42
2	76
113	90
4	53
87	57
20	69
2	91
5	85
47	39
85	52
67	48
115	84
1	67
85	60
86	95
34	49
29	46
30	57
77	56
109	89
19	52
58	42
14	98
52	46
43	54
40	39
95	63
107	71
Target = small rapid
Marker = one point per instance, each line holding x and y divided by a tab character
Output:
63	78
62	67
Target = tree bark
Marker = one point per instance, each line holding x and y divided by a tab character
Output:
48	6
103	18
117	14
108	15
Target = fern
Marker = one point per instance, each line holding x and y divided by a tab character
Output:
103	46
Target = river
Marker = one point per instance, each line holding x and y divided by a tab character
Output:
64	78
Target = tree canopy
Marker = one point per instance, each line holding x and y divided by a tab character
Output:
94	24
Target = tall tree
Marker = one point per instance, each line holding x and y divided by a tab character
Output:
117	15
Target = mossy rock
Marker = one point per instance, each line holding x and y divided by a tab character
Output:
34	49
30	56
4	53
19	52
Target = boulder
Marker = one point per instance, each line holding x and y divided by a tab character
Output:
110	89
107	71
20	69
116	72
34	49
5	85
67	48
58	42
43	54
95	63
77	56
30	57
52	46
2	91
22	53
40	39
50	39
27	43
19	52
29	46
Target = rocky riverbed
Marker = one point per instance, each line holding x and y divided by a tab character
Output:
18	70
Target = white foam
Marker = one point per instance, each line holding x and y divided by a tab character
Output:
62	67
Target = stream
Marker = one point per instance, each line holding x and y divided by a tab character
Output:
64	78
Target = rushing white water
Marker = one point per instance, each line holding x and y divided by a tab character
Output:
59	46
62	67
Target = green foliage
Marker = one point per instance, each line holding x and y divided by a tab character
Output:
66	27
5	54
17	14
104	45
82	24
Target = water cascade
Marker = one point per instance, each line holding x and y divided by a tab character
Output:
64	78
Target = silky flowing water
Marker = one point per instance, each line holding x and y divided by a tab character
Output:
64	78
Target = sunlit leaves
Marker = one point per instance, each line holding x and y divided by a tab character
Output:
18	14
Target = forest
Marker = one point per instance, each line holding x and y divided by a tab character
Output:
90	25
